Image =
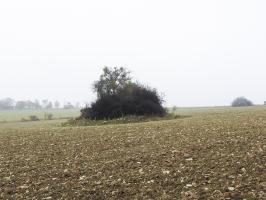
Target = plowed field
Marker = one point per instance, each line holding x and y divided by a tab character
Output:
210	155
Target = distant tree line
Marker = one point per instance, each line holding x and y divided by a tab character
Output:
11	104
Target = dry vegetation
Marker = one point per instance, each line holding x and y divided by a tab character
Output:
211	155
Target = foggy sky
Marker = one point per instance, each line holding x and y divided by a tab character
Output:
198	53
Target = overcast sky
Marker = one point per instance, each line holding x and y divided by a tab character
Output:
198	53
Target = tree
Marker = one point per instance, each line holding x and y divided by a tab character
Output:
121	98
44	103
57	104
68	105
37	104
49	105
241	102
7	104
111	81
174	109
29	104
20	105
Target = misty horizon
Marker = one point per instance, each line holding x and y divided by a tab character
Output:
87	103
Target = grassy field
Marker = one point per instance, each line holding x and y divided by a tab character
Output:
220	109
215	153
17	115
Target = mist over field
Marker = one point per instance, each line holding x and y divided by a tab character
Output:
198	53
123	99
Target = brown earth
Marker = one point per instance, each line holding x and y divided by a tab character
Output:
214	155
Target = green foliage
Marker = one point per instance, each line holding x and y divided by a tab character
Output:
118	96
111	81
133	99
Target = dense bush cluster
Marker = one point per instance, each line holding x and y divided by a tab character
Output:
34	118
134	99
241	102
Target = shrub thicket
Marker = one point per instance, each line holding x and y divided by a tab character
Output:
34	118
48	116
241	102
127	99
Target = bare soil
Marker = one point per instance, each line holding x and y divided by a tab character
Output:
216	155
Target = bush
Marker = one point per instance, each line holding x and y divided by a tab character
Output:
134	99
124	120
241	102
34	118
24	120
174	109
48	116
